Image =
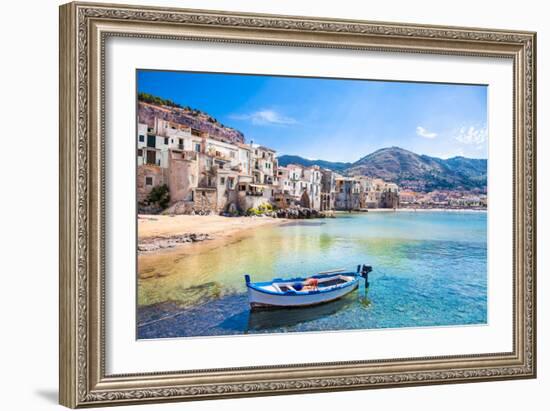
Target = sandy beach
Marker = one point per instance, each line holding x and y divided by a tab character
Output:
214	225
198	233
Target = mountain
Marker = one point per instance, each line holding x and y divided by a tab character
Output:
409	170
334	166
421	172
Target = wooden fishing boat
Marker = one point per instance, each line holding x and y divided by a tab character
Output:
305	291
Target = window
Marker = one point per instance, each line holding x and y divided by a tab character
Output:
141	138
148	181
197	147
232	154
242	187
231	182
140	152
151	157
151	141
222	181
166	140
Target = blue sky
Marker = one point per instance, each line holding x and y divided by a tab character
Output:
335	119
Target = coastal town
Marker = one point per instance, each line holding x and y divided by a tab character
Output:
207	168
189	163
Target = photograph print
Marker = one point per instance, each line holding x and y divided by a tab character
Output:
281	204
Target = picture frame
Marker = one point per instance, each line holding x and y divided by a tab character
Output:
84	30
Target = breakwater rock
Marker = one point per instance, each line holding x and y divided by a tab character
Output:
161	242
300	213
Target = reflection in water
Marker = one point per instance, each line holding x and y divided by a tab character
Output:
429	269
280	318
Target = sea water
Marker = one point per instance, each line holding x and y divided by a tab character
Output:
429	269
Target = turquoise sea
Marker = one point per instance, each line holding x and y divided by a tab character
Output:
429	269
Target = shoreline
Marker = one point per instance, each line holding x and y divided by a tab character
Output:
162	233
449	210
403	209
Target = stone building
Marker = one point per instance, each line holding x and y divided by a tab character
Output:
361	192
328	190
216	171
263	161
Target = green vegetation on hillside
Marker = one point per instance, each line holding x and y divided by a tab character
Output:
151	99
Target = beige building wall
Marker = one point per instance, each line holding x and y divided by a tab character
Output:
183	177
149	176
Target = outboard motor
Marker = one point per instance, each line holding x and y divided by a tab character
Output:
365	270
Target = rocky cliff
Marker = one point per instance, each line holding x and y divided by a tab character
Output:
189	117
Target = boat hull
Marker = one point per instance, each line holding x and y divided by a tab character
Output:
262	300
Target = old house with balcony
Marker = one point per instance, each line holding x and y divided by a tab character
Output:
361	192
263	164
298	185
348	192
312	177
328	189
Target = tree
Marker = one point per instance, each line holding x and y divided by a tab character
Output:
159	195
151	99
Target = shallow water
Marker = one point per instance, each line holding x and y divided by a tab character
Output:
429	269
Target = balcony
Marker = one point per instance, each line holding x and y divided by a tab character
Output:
189	155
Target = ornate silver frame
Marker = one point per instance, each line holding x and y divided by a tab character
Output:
83	30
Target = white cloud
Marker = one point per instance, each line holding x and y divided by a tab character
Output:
472	135
265	117
445	155
422	132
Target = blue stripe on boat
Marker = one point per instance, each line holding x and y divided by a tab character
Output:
257	285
